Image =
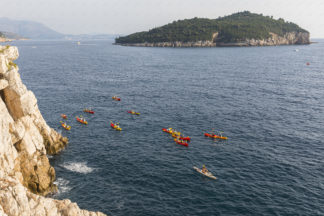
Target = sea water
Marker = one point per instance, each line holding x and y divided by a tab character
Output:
266	100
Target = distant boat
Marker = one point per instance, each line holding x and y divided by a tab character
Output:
78	43
296	50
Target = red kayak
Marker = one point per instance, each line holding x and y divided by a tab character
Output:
88	111
83	121
116	98
181	142
185	138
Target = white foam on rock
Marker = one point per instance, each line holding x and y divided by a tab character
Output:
63	185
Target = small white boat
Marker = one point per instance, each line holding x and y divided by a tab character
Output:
208	174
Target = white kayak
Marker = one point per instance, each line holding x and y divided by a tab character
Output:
208	174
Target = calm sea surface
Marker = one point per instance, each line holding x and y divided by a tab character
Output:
265	99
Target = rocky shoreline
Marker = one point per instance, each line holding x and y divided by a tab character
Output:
26	175
291	38
2	39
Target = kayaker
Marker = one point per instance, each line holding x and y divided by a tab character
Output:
204	169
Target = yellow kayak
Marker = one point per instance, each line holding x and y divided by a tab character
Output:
65	126
115	126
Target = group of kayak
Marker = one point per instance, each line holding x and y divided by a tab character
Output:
82	120
116	125
183	140
178	137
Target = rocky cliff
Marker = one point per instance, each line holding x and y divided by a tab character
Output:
25	141
274	40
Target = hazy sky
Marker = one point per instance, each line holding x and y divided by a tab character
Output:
127	16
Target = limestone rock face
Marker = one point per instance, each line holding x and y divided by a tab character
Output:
16	200
3	84
287	39
25	140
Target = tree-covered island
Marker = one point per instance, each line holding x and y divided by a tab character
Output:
239	29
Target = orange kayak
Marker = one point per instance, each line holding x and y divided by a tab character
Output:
81	121
64	116
215	136
88	111
167	130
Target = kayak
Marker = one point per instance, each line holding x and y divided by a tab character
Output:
180	142
116	98
215	136
167	130
175	133
88	111
65	126
64	116
81	121
185	138
207	174
133	112
115	126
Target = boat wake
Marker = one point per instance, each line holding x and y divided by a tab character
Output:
79	167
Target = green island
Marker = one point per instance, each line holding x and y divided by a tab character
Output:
239	29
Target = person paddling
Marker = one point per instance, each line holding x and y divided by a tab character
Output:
204	169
